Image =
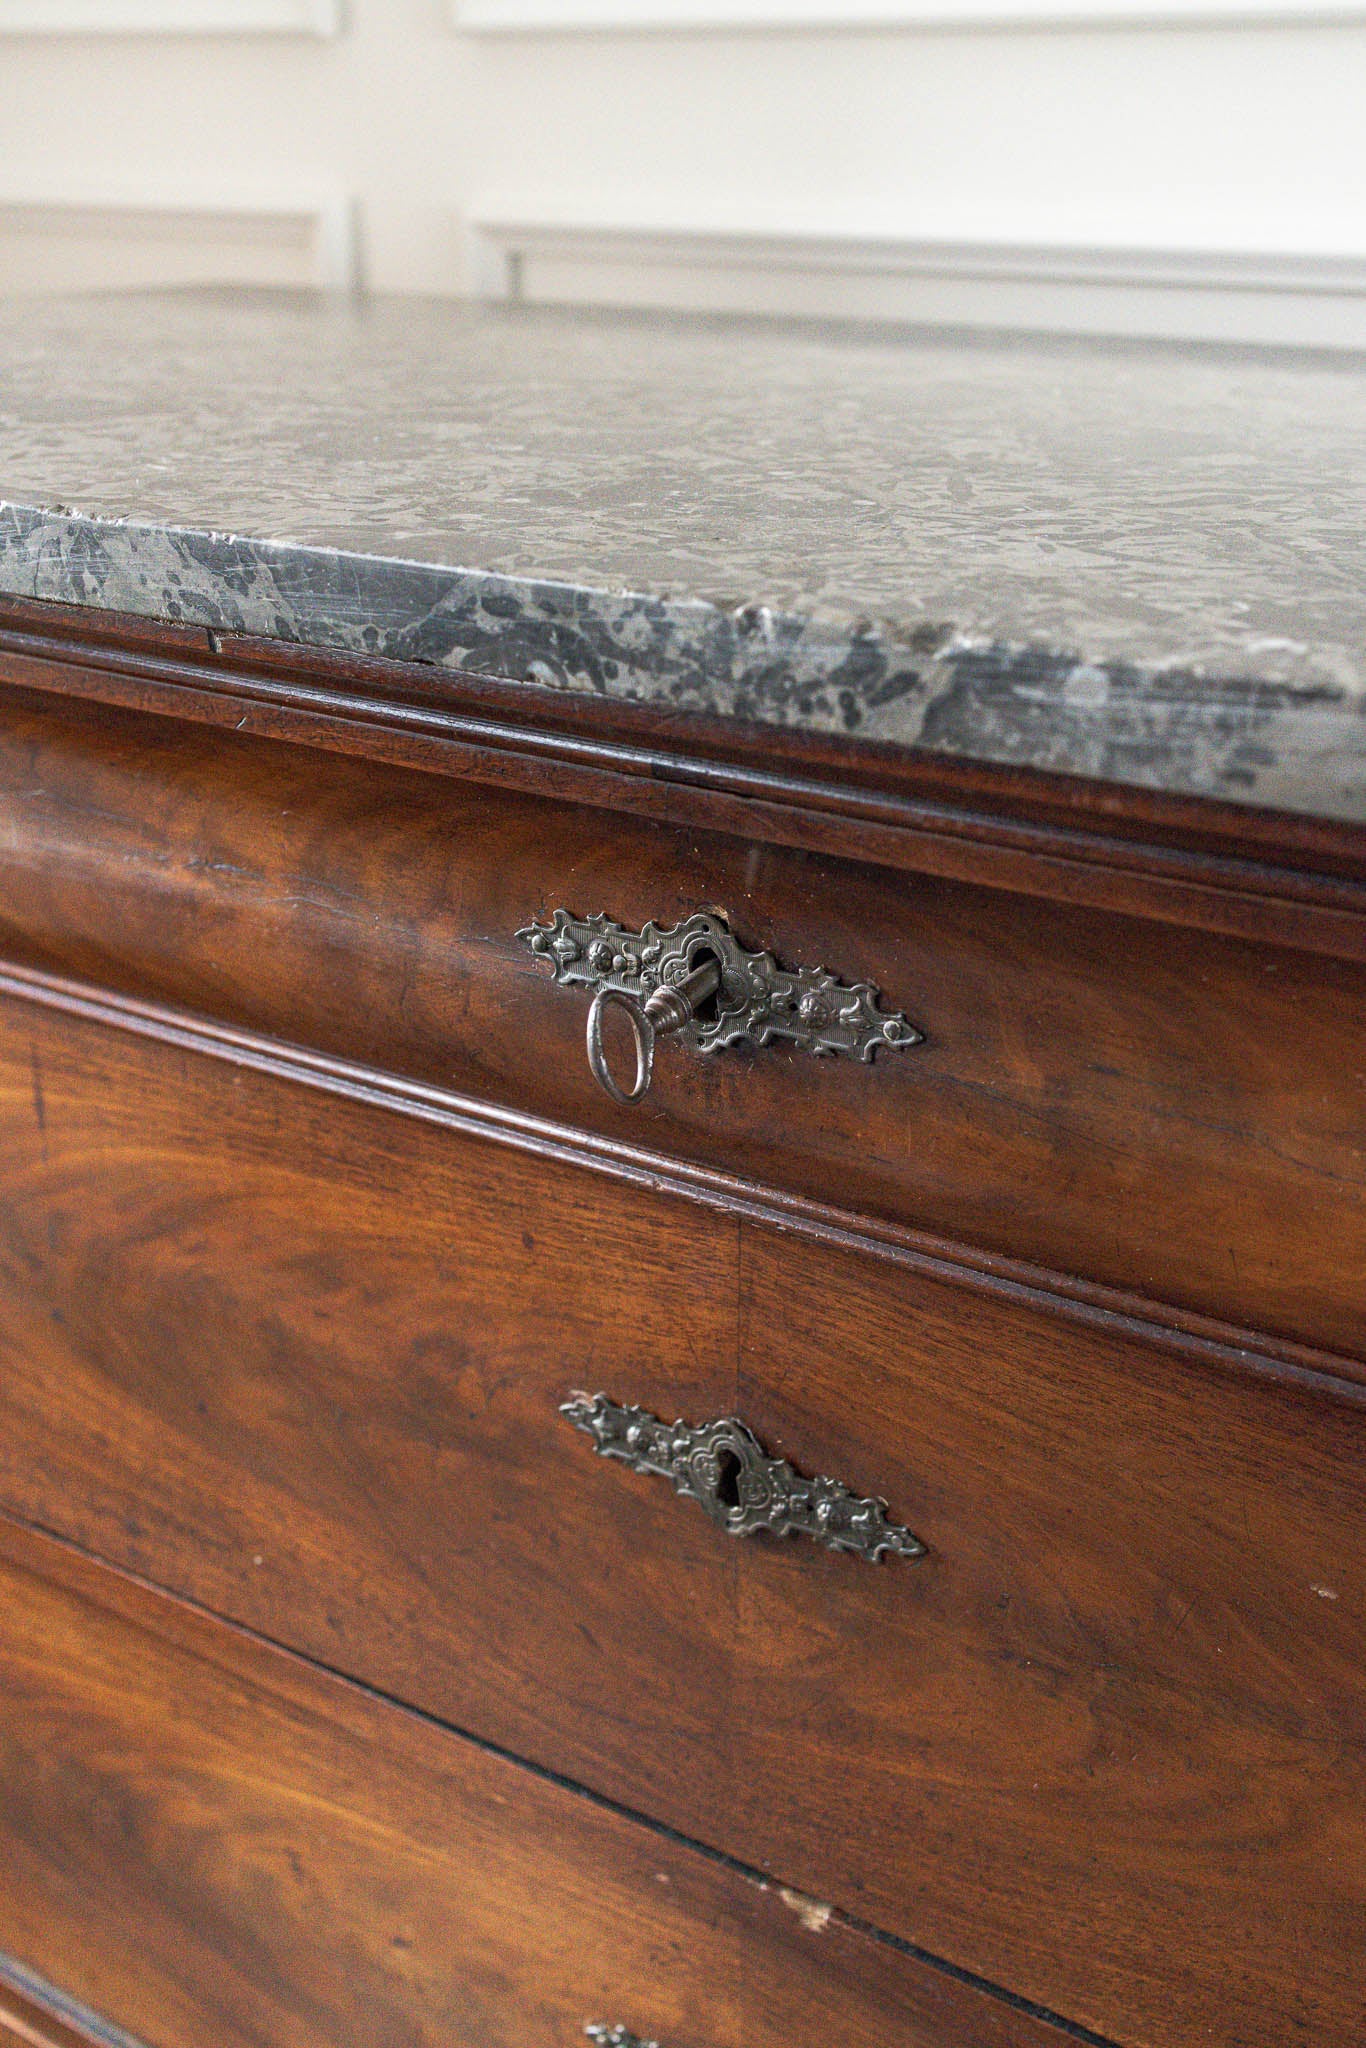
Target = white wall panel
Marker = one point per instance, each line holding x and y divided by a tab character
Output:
1195	144
168	17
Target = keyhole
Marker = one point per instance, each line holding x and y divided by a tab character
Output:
709	1008
728	1470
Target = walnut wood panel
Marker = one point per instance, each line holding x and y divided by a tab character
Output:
218	1846
301	1361
1143	1104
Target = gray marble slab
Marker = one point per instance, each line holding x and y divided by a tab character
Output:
1140	565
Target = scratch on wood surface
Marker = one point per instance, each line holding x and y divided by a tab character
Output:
813	1914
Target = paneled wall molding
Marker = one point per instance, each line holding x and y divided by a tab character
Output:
1213	295
512	17
61	243
169	17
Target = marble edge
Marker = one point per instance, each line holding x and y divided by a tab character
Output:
1163	727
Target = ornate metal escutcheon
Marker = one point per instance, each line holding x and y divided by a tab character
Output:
723	1466
615	2037
698	983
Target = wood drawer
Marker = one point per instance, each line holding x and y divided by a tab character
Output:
216	1846
1150	1105
301	1359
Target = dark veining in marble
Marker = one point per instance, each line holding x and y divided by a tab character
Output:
1139	566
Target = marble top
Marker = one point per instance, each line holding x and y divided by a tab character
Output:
1144	565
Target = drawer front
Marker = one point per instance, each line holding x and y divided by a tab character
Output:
216	1846
302	1360
1139	1103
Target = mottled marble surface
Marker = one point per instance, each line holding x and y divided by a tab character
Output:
1140	565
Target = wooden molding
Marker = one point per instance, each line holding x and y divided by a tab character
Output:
169	17
34	2015
1211	295
68	242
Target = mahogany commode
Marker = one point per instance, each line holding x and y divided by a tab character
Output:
956	1641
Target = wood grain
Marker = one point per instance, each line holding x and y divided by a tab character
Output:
221	1848
301	1361
1140	1104
1070	1298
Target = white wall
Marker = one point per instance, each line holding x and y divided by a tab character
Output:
1189	177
